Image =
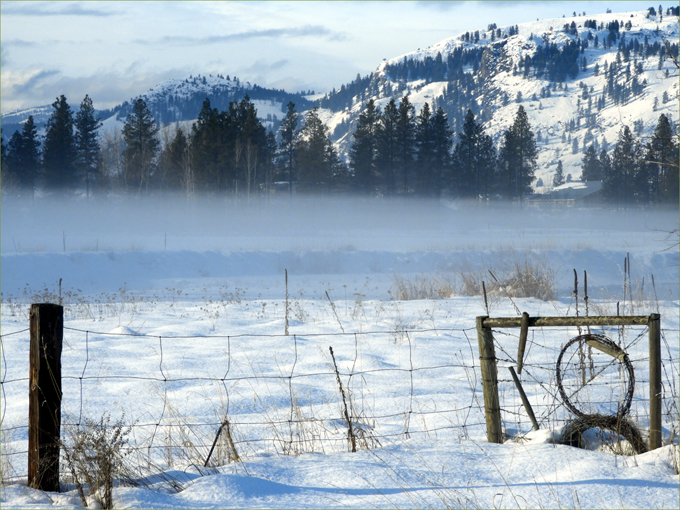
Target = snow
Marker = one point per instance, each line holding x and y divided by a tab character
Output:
193	293
551	115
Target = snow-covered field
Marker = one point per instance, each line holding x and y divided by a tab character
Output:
175	316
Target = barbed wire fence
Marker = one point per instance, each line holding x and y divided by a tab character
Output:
253	395
606	382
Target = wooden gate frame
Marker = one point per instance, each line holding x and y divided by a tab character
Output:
487	361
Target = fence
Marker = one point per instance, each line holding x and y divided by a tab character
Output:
587	372
283	395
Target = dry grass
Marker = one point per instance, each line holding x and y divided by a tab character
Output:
519	275
422	287
7	470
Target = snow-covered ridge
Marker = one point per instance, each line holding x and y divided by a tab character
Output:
559	121
185	89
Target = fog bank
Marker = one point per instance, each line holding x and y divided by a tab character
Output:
174	222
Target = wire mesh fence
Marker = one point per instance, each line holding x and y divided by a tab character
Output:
593	382
197	400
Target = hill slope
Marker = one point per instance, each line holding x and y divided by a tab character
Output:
568	104
579	79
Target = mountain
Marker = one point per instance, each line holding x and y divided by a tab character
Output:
13	121
555	68
180	100
578	78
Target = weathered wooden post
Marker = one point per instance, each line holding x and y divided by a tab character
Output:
44	408
655	391
487	363
523	333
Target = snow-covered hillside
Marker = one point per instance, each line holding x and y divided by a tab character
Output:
566	115
178	101
500	77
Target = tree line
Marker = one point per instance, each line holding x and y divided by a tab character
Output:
636	172
393	152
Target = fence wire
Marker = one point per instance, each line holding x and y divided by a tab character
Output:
277	400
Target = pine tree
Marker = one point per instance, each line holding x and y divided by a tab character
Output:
475	158
388	143
363	152
405	150
87	143
618	185
22	158
288	132
518	157
250	149
664	156
424	137
140	134
441	155
174	172
591	169
59	149
210	135
12	161
316	156
558	178
5	175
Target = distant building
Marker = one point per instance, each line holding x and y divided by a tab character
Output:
571	193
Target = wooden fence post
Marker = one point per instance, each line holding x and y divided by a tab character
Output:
525	400
487	363
44	408
655	391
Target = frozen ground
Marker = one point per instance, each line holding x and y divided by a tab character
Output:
175	318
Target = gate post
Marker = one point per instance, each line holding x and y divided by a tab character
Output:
487	363
44	405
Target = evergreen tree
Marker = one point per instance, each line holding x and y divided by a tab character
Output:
363	152
591	169
288	132
59	149
210	136
441	147
174	172
405	149
316	156
424	137
140	134
558	178
12	161
618	185
475	158
251	148
22	159
387	147
4	168
87	143
664	160
518	155
271	148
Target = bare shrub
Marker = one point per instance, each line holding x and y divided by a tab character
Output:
95	454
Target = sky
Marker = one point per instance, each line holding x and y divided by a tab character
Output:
114	51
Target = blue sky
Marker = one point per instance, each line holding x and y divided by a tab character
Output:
115	50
